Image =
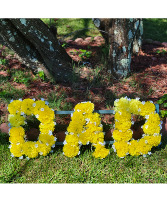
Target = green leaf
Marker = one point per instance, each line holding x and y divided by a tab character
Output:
165	104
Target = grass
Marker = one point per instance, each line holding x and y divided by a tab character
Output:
56	168
155	29
82	27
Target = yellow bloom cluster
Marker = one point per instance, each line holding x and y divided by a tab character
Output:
84	128
124	144
19	146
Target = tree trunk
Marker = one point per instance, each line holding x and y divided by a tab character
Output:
124	38
34	42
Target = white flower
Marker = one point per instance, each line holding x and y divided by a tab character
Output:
12	155
72	114
137	98
64	142
46	102
151	101
147	116
102	143
33	99
87	143
149	153
40	153
36	145
79	142
53	146
66	133
37	116
10	146
42	99
120	112
27	158
42	109
34	104
72	133
21	157
50	132
78	110
144	155
146	126
22	113
55	138
11	101
143	102
54	123
20	99
18	143
116	100
132	122
146	141
47	144
51	151
79	153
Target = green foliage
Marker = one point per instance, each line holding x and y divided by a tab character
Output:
3	61
161	52
163	102
41	75
155	29
85	54
20	77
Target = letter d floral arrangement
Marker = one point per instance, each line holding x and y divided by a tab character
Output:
20	146
124	143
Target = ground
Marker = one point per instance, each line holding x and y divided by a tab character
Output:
147	81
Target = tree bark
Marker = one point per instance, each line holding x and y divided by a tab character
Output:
123	36
33	41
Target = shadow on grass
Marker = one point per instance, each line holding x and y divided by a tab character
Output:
16	173
4	138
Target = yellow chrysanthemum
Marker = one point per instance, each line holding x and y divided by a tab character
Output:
146	108
30	150
27	106
17	150
70	151
100	151
15	107
16	120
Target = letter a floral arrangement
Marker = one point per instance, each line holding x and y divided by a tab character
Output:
85	127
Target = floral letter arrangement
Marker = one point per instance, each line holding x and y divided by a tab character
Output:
20	146
85	128
124	143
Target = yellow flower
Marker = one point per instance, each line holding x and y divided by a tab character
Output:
122	148
70	151
121	104
30	149
15	107
122	136
72	140
134	106
27	106
43	149
16	120
17	150
100	151
146	108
